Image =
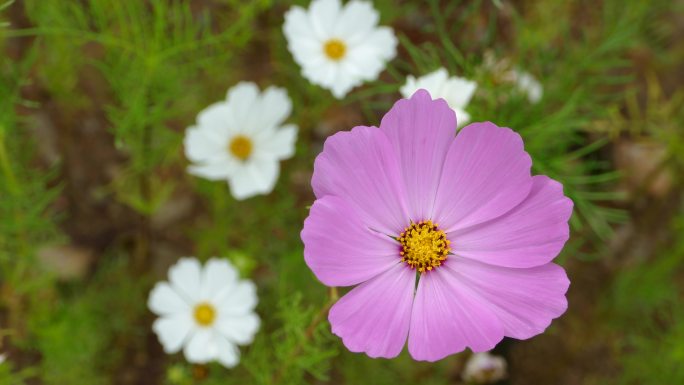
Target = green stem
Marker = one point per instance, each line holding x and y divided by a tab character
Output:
142	250
12	185
14	191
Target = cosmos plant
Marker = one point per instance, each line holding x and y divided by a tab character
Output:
243	139
339	47
206	311
447	240
432	228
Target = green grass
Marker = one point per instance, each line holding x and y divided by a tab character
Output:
141	70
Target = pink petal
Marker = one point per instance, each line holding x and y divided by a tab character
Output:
421	130
531	234
447	317
486	173
374	317
525	300
340	249
361	167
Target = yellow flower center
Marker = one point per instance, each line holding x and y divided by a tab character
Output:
205	314
241	147
423	246
335	49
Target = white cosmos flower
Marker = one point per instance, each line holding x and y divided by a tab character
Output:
529	85
339	47
243	139
206	311
456	91
3	357
484	368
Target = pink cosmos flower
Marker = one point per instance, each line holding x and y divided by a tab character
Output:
449	238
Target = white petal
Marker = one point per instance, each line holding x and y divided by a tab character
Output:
355	69
216	121
344	82
201	347
371	56
410	87
302	41
172	331
228	353
323	15
380	43
356	21
216	170
308	52
333	76
484	368
218	274
239	300
257	176
297	25
242	100
239	329
330	75
366	66
185	278
431	82
201	144
529	85
434	82
164	300
279	144
462	117
275	107
320	74
459	91
455	90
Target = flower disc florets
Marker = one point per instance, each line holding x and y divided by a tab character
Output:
423	246
205	314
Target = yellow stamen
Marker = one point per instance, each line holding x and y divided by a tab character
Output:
241	147
205	314
423	246
335	49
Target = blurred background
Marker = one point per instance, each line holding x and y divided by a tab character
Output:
95	202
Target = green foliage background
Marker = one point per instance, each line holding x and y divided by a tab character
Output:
94	99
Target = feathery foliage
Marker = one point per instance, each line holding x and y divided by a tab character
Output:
119	81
